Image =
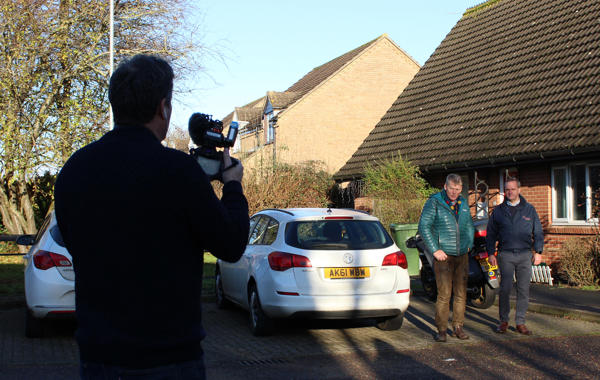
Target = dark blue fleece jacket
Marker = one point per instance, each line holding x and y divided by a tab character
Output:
520	229
137	217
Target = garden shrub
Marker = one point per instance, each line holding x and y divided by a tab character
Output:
580	260
285	186
398	190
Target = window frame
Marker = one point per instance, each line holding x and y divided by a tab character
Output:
570	194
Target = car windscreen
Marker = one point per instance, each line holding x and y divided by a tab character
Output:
337	234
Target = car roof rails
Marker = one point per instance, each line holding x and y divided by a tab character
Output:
278	209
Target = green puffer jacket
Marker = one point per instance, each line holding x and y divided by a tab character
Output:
439	228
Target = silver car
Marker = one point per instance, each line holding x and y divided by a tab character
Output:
316	263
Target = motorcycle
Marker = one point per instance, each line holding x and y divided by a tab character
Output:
483	281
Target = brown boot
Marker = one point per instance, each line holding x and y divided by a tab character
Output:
502	327
459	333
523	330
440	337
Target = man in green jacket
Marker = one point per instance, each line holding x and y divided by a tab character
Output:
447	229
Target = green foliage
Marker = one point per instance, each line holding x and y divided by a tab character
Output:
11	276
300	185
398	190
42	188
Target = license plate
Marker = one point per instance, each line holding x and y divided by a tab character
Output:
348	272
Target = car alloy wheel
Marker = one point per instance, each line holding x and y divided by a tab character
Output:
260	324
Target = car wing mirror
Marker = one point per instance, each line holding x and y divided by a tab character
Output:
25	240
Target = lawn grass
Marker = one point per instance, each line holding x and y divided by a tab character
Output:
208	275
11	276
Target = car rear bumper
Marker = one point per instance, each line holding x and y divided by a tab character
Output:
53	312
47	292
335	307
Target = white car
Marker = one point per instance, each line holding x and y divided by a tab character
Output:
49	278
316	263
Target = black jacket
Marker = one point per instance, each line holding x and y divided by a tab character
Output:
522	230
137	217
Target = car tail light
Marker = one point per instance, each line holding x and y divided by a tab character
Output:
281	261
396	258
45	260
339	218
481	234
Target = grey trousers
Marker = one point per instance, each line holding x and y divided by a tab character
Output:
519	265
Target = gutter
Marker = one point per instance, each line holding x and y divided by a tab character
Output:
491	162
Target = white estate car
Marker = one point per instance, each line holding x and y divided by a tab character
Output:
49	278
316	263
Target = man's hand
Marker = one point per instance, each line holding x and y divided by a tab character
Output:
440	255
537	258
492	260
231	173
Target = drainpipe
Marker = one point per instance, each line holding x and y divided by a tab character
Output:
273	123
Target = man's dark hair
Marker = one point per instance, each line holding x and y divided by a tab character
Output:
137	86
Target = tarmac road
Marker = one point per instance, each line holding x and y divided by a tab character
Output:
341	349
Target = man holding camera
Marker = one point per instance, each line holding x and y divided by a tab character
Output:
136	217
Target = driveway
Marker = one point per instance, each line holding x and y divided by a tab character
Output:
230	345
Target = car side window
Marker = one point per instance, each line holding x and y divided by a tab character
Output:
259	231
253	221
271	232
56	235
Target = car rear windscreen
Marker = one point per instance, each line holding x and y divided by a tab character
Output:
337	234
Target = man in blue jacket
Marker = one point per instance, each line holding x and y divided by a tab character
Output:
136	217
447	229
516	227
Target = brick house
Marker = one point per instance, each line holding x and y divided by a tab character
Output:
326	114
514	88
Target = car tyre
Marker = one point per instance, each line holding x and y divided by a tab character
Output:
34	327
390	323
260	324
485	299
220	299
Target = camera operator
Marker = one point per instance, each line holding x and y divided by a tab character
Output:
136	217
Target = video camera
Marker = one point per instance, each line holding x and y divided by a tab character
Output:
207	134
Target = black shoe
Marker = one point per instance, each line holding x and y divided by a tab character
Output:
440	337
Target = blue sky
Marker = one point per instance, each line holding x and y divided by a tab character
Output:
268	45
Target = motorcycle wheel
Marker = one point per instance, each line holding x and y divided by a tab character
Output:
428	283
485	299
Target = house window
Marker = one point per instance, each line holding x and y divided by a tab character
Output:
575	191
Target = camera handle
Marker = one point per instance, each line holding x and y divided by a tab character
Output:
234	162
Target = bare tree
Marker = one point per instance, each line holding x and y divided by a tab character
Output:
178	139
54	67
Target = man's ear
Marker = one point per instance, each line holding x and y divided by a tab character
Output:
164	112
